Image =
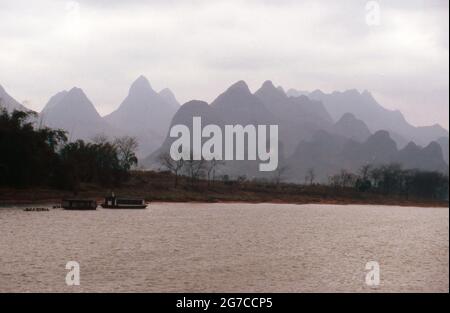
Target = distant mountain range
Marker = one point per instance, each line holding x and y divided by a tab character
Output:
298	118
327	132
363	106
328	153
144	114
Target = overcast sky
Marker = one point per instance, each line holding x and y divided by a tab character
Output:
198	48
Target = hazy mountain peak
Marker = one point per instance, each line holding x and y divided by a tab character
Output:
76	91
61	93
144	114
294	93
9	102
433	147
348	117
381	134
169	97
78	102
194	105
54	100
349	93
382	142
410	149
239	86
437	126
353	91
316	93
167	92
429	158
192	108
268	84
411	146
141	84
237	95
351	127
281	89
269	93
74	112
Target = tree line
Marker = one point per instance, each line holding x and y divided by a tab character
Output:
392	179
389	179
41	156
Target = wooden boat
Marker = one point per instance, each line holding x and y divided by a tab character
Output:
123	203
78	204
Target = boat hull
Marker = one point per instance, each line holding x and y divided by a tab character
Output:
140	207
79	209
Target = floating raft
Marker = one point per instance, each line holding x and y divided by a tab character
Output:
36	209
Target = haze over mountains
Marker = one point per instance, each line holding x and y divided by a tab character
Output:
8	102
145	114
327	154
309	138
298	118
326	132
73	111
350	127
363	106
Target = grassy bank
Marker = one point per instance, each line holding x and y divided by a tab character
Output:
160	187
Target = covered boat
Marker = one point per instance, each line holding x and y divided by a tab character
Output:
123	203
79	204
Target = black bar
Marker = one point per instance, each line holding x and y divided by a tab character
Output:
227	302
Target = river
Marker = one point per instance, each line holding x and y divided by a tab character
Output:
226	248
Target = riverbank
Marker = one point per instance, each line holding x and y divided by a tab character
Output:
160	187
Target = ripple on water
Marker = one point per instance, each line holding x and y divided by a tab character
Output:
226	247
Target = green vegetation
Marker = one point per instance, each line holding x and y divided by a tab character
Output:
42	157
28	156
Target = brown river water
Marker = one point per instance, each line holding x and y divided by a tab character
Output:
226	248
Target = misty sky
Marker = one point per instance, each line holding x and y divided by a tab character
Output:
198	48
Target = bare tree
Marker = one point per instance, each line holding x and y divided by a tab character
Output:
174	166
194	168
211	168
279	174
310	176
364	171
126	148
343	179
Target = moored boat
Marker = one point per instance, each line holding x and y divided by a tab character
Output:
123	203
79	204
